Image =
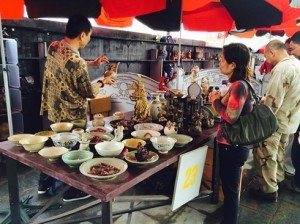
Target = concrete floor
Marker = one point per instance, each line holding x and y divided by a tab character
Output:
285	211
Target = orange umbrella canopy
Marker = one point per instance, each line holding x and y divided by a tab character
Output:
197	15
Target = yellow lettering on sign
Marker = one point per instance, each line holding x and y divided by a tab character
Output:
190	176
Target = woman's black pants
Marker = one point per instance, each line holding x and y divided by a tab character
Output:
232	158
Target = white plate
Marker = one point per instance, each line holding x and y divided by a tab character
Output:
148	126
106	129
118	163
151	158
104	136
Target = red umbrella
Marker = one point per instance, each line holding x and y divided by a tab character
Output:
204	15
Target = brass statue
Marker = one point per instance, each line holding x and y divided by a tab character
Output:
141	108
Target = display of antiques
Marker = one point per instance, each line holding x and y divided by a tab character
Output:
141	108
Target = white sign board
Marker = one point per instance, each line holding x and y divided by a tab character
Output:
189	175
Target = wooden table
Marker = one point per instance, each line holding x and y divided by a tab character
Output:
104	190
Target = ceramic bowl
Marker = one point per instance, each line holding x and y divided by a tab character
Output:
182	140
33	143
109	149
148	126
79	123
53	153
99	130
163	144
61	127
65	139
145	134
85	168
45	133
75	158
132	143
16	138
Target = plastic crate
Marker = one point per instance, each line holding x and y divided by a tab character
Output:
15	100
13	76
11	51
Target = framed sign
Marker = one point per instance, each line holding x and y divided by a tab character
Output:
189	175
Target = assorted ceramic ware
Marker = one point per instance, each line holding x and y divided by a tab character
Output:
53	153
163	144
76	158
182	140
109	149
61	127
16	138
145	134
92	168
65	139
132	143
99	130
150	158
148	126
45	133
33	143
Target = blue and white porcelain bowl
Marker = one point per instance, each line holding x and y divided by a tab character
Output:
65	139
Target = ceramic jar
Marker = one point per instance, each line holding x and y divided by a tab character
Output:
162	99
155	106
98	120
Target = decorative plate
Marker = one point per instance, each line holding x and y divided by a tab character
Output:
151	158
148	126
85	168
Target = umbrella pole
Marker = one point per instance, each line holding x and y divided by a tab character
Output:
178	85
5	81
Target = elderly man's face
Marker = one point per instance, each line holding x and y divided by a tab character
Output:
295	49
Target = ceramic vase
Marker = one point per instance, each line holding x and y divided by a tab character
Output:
155	106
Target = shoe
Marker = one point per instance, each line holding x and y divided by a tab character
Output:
281	184
294	187
271	197
44	187
74	195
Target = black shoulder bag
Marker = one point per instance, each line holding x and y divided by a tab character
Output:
253	127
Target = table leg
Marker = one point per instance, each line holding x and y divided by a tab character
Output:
12	177
215	174
107	212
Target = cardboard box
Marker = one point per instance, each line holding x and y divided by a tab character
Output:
100	105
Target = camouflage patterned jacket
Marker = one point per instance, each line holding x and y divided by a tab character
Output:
66	84
283	94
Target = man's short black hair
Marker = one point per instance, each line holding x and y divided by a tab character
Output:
296	37
76	25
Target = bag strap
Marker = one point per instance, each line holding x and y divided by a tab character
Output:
252	92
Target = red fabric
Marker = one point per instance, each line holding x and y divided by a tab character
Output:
129	8
211	17
105	20
265	68
12	9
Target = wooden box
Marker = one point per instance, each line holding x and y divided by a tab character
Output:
99	105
